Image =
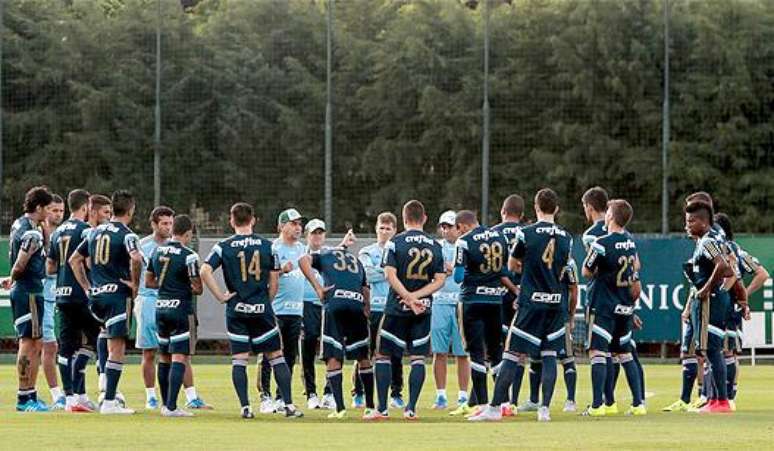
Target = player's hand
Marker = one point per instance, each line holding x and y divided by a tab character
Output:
448	267
685	316
287	267
418	306
132	286
746	312
349	239
637	322
321	291
6	283
225	297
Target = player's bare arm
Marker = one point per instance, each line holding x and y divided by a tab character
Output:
77	264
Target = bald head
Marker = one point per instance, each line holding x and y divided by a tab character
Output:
466	220
513	208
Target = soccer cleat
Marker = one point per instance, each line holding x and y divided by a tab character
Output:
177	413
247	413
397	403
114	408
507	410
441	403
732	405
462	410
528	406
59	404
375	415
292	412
544	415
337	415
612	409
152	403
198	404
328	402
313	402
594	411
677	406
636	411
488	413
279	405
475	411
100	398
570	406
697	404
32	406
120	399
716	406
267	405
358	401
80	407
410	415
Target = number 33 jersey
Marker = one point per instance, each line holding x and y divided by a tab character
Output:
544	250
417	258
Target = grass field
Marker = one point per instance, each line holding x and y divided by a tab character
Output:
751	427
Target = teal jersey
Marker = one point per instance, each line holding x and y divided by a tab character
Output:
174	265
27	237
109	247
341	270
371	258
247	262
613	257
147	246
417	258
544	250
482	253
290	295
64	242
449	293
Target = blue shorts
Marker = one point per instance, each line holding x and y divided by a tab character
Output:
27	313
145	316
49	334
445	330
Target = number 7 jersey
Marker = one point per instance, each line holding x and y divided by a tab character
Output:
544	249
417	258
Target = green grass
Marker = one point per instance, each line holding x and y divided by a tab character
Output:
750	428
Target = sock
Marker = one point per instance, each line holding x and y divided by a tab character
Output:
334	378
462	394
24	395
162	370
718	369
383	373
709	383
549	378
616	372
112	374
478	376
570	377
598	379
367	379
282	377
535	376
265	377
730	376
517	380
56	393
190	393
416	381
396	384
356	381
239	379
102	354
633	378
66	373
690	369
78	368
510	366
610	382
176	374
150	392
33	394
440	392
637	362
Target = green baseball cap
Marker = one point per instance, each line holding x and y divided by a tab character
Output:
291	214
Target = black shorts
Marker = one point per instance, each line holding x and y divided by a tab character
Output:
536	330
77	328
345	332
481	327
258	333
312	320
508	312
611	333
176	332
114	312
27	313
399	335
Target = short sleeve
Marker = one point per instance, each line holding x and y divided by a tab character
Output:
570	276
747	262
461	253
150	264
31	241
131	242
388	259
519	245
53	248
83	248
591	262
438	261
316	262
274	262
192	264
215	259
710	249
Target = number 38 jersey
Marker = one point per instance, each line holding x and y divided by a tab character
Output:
417	258
544	249
483	254
613	256
247	262
341	270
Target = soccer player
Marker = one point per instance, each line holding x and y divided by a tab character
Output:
480	267
413	266
78	328
173	269
115	271
54	217
288	304
371	257
145	304
345	296
541	253
612	263
251	274
444	326
27	272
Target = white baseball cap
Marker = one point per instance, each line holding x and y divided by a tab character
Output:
315	224
448	217
289	215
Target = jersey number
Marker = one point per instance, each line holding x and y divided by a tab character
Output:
345	262
253	268
621	279
165	264
64	246
493	257
548	254
102	251
420	260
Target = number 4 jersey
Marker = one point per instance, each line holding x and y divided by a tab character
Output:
544	249
417	258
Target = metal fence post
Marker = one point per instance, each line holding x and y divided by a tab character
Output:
665	129
329	120
485	132
157	115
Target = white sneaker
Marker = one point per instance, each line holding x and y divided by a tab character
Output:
328	402
543	414
569	406
313	402
267	405
528	406
279	406
113	408
488	414
177	413
120	399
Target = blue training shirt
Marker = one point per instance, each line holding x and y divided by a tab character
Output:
371	259
290	295
449	294
147	246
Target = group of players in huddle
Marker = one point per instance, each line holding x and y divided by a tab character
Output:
499	299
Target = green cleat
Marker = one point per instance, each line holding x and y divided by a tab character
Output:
677	406
612	409
637	411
